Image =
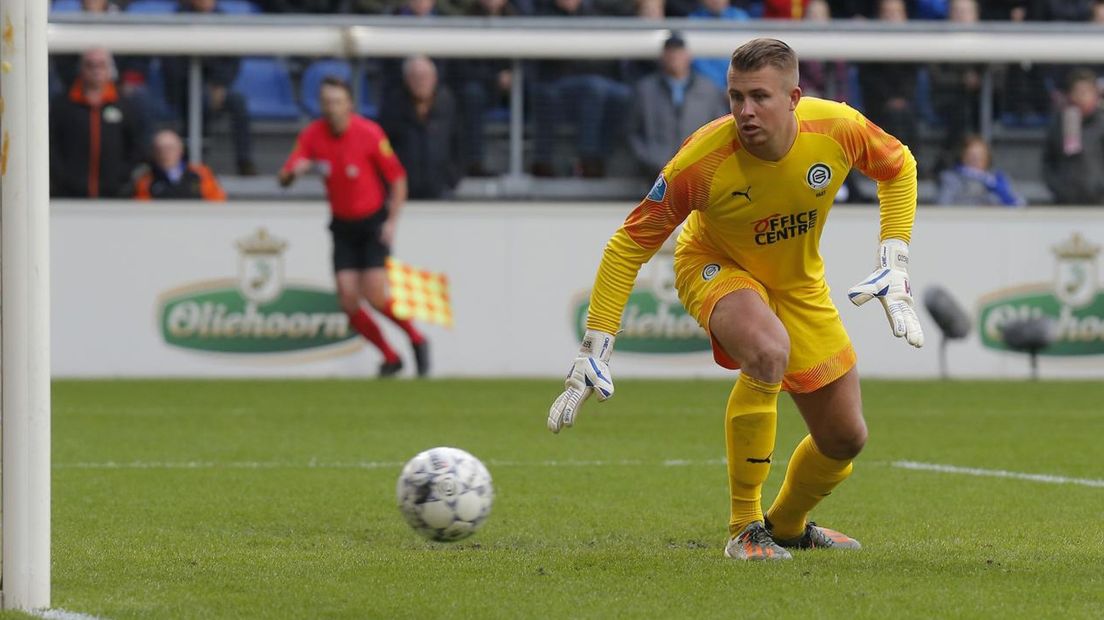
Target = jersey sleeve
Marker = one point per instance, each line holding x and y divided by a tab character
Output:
634	243
887	161
303	149
383	156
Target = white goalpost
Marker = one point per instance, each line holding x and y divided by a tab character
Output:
24	305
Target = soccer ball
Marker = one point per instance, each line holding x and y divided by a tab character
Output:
445	494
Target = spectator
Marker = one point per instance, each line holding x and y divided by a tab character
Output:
785	9
418	8
650	9
669	105
584	91
391	77
1073	157
956	88
421	122
716	69
219	73
973	182
1061	74
99	6
483	84
68	66
827	79
170	177
95	134
131	71
889	89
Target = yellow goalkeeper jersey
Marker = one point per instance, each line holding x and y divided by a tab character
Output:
767	216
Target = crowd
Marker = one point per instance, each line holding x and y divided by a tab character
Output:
116	122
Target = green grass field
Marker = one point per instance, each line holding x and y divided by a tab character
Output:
276	500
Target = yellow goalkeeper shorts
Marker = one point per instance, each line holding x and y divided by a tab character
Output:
820	349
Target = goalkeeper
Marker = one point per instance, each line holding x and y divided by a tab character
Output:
754	189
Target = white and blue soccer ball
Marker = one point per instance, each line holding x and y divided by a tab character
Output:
445	494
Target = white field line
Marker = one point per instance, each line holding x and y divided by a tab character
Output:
317	464
61	614
997	473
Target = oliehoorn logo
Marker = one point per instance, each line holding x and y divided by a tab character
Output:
1072	300
654	321
259	313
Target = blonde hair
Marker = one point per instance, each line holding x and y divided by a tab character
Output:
759	53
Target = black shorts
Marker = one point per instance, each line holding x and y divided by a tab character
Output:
356	243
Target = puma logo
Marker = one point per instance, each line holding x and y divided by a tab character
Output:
746	194
759	461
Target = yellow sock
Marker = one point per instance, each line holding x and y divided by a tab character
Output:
749	438
810	477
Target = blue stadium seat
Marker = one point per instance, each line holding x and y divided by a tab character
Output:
155	90
854	88
66	6
497	115
368	106
925	109
266	85
238	7
312	81
152	7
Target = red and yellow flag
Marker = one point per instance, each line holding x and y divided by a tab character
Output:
419	294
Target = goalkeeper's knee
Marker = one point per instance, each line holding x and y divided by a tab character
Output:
842	444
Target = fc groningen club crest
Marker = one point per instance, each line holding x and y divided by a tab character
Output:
818	176
1075	281
261	267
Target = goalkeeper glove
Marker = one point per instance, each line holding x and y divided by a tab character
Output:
589	374
889	284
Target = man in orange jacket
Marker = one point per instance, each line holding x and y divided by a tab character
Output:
171	177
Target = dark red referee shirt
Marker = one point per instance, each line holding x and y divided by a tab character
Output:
352	163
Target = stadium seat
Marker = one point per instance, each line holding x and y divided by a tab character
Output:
238	7
155	89
151	7
266	85
925	109
497	115
65	6
368	106
854	89
312	80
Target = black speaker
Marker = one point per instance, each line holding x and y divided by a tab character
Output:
950	317
947	313
1030	336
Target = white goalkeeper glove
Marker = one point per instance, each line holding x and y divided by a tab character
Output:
889	284
590	374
